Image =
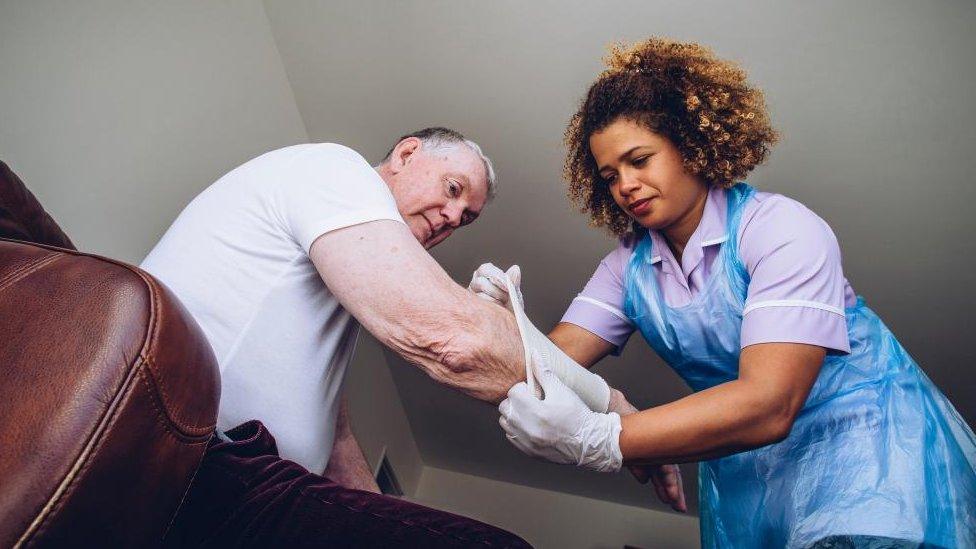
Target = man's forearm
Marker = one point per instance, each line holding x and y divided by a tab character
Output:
401	295
475	349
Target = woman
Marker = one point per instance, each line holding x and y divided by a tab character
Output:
813	426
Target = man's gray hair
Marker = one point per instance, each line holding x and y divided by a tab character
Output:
438	138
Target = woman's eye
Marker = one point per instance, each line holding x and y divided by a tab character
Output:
641	160
610	178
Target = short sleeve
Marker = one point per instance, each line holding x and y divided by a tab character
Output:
796	288
327	187
598	309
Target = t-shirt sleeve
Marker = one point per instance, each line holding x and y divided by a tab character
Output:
598	309
796	288
327	187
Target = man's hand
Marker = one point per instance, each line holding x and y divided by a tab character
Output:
560	427
488	283
666	479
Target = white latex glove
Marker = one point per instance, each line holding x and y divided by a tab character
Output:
560	427
488	283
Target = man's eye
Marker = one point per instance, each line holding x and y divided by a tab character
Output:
454	189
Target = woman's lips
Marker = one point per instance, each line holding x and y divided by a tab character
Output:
640	207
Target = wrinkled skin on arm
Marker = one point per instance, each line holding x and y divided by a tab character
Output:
398	292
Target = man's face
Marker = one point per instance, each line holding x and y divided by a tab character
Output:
437	191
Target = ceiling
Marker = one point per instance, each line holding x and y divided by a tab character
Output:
873	99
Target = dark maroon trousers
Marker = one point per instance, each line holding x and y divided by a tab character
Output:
245	495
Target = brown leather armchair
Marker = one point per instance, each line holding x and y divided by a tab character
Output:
108	390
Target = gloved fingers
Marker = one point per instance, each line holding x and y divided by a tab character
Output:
518	390
488	298
505	425
511	432
489	270
515	438
482	285
505	408
520	397
533	367
522	445
515	275
552	385
491	274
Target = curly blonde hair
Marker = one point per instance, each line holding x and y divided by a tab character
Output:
703	104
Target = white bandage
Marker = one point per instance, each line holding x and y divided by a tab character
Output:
591	388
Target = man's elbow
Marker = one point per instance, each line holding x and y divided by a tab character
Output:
471	362
458	349
445	353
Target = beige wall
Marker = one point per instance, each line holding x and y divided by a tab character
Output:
117	113
552	519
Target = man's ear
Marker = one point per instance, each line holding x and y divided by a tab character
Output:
403	153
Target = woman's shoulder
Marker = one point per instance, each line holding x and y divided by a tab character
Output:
615	262
769	211
772	220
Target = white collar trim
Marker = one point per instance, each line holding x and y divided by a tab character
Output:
714	241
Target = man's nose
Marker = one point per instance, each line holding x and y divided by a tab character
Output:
452	215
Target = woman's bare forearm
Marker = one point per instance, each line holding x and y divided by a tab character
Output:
752	411
583	346
715	422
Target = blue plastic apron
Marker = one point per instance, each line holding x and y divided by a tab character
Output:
877	450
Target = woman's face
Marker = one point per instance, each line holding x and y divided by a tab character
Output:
646	176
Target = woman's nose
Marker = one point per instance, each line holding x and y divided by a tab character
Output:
627	182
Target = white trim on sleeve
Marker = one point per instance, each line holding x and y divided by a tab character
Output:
793	303
613	310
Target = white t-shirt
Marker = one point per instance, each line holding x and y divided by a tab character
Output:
237	258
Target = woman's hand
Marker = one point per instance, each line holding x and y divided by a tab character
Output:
666	479
560	427
488	283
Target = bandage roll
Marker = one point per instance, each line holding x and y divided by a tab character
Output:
591	388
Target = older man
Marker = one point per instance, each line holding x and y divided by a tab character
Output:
277	261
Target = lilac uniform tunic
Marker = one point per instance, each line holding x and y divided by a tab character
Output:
797	290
